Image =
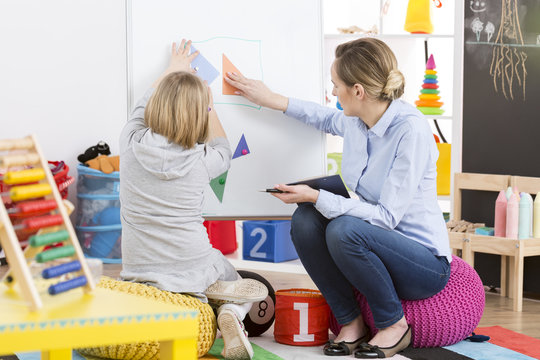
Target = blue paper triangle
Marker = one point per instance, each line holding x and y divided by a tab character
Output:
204	68
242	145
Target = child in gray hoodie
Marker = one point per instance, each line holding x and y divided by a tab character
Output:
170	149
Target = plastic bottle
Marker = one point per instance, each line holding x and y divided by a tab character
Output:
500	214
418	19
525	216
512	217
536	216
509	192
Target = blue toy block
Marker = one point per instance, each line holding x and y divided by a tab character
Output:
268	240
489	231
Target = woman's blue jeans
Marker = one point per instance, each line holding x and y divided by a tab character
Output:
348	252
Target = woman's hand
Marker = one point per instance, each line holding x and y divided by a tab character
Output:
257	92
296	193
180	60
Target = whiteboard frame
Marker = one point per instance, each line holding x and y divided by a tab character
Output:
131	101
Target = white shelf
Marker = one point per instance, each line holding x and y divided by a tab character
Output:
290	267
388	36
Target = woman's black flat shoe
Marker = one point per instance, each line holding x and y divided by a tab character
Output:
368	351
343	348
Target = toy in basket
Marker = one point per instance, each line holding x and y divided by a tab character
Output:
33	190
98	214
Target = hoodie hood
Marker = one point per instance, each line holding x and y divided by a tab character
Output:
164	159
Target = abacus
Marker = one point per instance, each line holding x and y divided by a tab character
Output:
35	199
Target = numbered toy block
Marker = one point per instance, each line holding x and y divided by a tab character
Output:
268	241
302	317
222	235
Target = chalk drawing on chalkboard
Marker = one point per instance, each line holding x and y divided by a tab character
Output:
508	63
245	53
477	6
477	26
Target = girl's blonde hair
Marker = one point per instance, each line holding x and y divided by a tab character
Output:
370	63
178	109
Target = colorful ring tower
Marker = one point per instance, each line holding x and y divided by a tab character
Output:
428	101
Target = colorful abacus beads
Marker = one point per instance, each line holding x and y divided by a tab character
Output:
18	193
23	176
30	207
39	222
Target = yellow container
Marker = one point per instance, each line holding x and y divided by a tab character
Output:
418	19
443	169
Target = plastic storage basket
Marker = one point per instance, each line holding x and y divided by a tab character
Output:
98	214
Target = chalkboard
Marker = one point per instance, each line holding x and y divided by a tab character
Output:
501	104
256	37
501	87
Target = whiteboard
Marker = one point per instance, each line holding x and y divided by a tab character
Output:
279	42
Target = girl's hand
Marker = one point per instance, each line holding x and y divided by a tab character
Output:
180	60
296	193
180	57
257	92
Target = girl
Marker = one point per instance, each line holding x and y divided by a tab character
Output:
171	148
392	242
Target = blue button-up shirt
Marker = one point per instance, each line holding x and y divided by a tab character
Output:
391	167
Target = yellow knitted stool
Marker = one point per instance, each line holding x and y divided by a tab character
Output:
150	350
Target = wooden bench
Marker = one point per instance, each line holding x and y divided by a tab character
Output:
512	251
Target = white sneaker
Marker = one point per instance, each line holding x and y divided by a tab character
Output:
236	345
237	292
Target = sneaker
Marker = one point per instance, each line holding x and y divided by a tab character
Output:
237	292
236	345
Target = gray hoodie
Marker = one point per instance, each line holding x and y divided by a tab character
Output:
164	242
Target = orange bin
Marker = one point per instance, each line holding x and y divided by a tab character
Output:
302	317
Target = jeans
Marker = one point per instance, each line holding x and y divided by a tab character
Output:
347	252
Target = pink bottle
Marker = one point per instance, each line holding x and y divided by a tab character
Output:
500	214
512	217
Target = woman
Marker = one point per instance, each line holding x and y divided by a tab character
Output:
390	243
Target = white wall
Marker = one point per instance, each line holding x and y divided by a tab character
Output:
63	74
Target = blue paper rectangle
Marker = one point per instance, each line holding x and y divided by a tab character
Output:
205	70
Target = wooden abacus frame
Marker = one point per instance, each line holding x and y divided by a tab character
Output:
17	259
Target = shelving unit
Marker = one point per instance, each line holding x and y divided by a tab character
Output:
409	49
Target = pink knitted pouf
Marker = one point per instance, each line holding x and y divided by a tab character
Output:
443	319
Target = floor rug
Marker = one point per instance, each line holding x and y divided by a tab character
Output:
503	345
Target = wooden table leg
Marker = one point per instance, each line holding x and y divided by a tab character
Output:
504	276
184	349
58	354
518	279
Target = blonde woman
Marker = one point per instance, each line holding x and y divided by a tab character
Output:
390	243
171	147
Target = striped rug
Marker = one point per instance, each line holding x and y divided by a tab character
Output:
503	345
